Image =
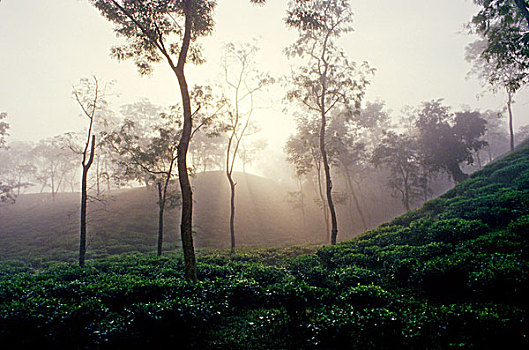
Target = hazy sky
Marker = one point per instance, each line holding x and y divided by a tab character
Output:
46	46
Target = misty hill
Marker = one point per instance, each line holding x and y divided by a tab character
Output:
127	219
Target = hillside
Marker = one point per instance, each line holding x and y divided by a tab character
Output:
127	219
453	274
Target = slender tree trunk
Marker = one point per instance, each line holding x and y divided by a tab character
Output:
161	208
406	196
98	189
328	181
232	211
82	238
425	183
84	197
302	202
324	206
509	109
186	231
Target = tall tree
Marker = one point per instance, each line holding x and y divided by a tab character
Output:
329	80
90	98
162	30
501	56
509	78
242	84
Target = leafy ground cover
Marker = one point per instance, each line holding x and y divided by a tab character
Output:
453	274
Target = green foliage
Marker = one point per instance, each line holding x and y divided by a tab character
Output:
452	274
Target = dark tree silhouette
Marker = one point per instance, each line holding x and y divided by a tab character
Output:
89	96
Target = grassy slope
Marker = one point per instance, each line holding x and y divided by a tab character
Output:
453	274
37	227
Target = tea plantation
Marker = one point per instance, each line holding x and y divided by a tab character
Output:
453	274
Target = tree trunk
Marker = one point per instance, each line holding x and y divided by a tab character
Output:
186	226
82	238
98	188
324	206
84	197
328	182
302	202
406	199
232	212
456	173
161	207
509	109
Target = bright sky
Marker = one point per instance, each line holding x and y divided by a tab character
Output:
417	47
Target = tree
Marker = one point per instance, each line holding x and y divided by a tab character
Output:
446	139
6	191
501	56
149	152
103	162
303	152
89	95
166	30
53	161
399	153
469	126
507	77
242	83
17	166
347	152
496	136
328	81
